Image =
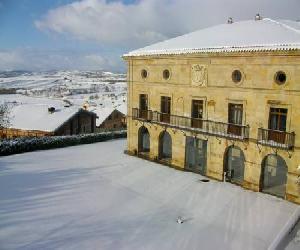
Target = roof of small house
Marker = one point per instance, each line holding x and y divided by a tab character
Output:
251	35
103	113
37	117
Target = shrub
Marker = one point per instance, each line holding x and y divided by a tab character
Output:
28	144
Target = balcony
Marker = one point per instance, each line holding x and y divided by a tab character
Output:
196	125
144	115
276	138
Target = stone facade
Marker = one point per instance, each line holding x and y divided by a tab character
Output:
208	77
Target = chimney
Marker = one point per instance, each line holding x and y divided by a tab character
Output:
51	110
258	17
230	20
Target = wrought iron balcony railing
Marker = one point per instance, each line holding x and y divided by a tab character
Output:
197	125
276	138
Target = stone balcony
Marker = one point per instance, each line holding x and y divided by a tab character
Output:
276	138
195	125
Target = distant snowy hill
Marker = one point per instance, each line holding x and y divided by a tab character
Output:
98	90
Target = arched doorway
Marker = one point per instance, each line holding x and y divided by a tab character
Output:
144	140
274	175
234	165
196	155
165	146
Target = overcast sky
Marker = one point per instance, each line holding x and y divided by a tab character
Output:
93	34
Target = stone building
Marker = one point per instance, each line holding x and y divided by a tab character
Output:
223	102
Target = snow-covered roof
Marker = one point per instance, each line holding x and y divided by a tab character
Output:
122	108
103	113
37	117
250	35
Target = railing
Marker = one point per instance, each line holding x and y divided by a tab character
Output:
196	125
276	138
142	114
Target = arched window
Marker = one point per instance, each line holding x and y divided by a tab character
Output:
144	140
165	145
274	175
234	165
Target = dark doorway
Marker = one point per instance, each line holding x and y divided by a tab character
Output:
143	106
277	125
165	108
274	176
165	146
234	165
197	113
235	119
144	140
196	155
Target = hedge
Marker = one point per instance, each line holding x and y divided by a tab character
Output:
28	144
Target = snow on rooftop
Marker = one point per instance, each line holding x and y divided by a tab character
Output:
103	113
122	108
250	35
37	117
95	197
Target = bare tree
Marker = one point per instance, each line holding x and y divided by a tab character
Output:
4	116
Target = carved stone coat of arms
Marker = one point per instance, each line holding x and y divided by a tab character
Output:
199	75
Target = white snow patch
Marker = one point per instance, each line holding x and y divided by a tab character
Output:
96	197
250	35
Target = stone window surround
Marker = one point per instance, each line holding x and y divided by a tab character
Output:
200	98
138	99
242	77
279	105
238	101
170	74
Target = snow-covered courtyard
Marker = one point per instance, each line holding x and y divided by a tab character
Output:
96	197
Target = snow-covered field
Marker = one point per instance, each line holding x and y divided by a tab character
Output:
96	197
101	92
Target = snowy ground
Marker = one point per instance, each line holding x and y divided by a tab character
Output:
96	197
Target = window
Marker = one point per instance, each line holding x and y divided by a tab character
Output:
197	113
166	74
143	106
277	125
280	77
165	109
143	102
144	73
235	119
237	76
166	104
235	114
277	119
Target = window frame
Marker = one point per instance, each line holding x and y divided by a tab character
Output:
235	110
277	112
167	104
